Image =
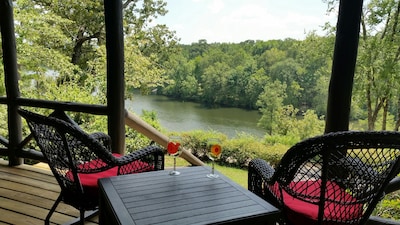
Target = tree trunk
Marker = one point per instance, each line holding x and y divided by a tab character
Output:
396	128
369	108
80	40
77	52
385	112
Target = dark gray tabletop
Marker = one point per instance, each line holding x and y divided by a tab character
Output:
190	198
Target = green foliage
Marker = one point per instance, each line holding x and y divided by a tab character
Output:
310	125
266	75
240	150
236	74
389	207
286	120
61	48
237	152
294	129
2	81
183	84
287	140
377	76
135	140
271	103
3	121
196	141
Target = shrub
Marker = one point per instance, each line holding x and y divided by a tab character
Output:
196	142
288	140
389	207
237	152
273	153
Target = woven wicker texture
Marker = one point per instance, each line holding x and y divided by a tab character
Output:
336	178
74	155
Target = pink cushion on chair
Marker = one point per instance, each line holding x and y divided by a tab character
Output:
89	180
301	212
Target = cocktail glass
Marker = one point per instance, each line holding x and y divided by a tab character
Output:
174	149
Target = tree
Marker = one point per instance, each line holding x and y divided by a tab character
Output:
197	49
314	54
214	84
254	88
40	42
271	57
183	84
310	125
287	121
271	102
377	77
289	72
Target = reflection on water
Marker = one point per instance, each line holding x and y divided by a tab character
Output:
185	116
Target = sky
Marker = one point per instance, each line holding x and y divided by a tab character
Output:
234	21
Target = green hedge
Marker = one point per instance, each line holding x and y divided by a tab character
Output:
237	152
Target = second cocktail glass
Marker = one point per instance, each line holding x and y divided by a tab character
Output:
214	153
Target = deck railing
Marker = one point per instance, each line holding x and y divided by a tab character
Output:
147	130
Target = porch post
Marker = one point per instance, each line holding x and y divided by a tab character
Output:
115	74
344	62
11	79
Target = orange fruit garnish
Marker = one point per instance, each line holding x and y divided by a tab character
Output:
216	150
173	147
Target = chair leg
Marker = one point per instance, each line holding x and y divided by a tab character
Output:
82	217
53	208
81	220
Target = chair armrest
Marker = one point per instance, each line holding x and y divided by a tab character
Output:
262	168
394	185
145	159
260	180
103	138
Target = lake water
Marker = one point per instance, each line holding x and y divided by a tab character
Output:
179	116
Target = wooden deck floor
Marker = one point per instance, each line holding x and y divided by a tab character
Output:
26	195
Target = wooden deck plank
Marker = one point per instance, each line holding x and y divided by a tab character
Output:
31	211
36	201
26	195
35	175
10	217
31	190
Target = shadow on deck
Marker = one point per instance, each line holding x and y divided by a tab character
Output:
27	193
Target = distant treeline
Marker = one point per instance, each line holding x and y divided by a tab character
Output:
240	75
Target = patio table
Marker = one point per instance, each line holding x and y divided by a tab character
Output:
189	198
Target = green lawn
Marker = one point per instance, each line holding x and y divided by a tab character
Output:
235	174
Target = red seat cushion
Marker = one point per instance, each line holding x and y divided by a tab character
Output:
89	180
302	212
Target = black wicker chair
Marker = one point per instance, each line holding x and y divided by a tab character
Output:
78	159
336	178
